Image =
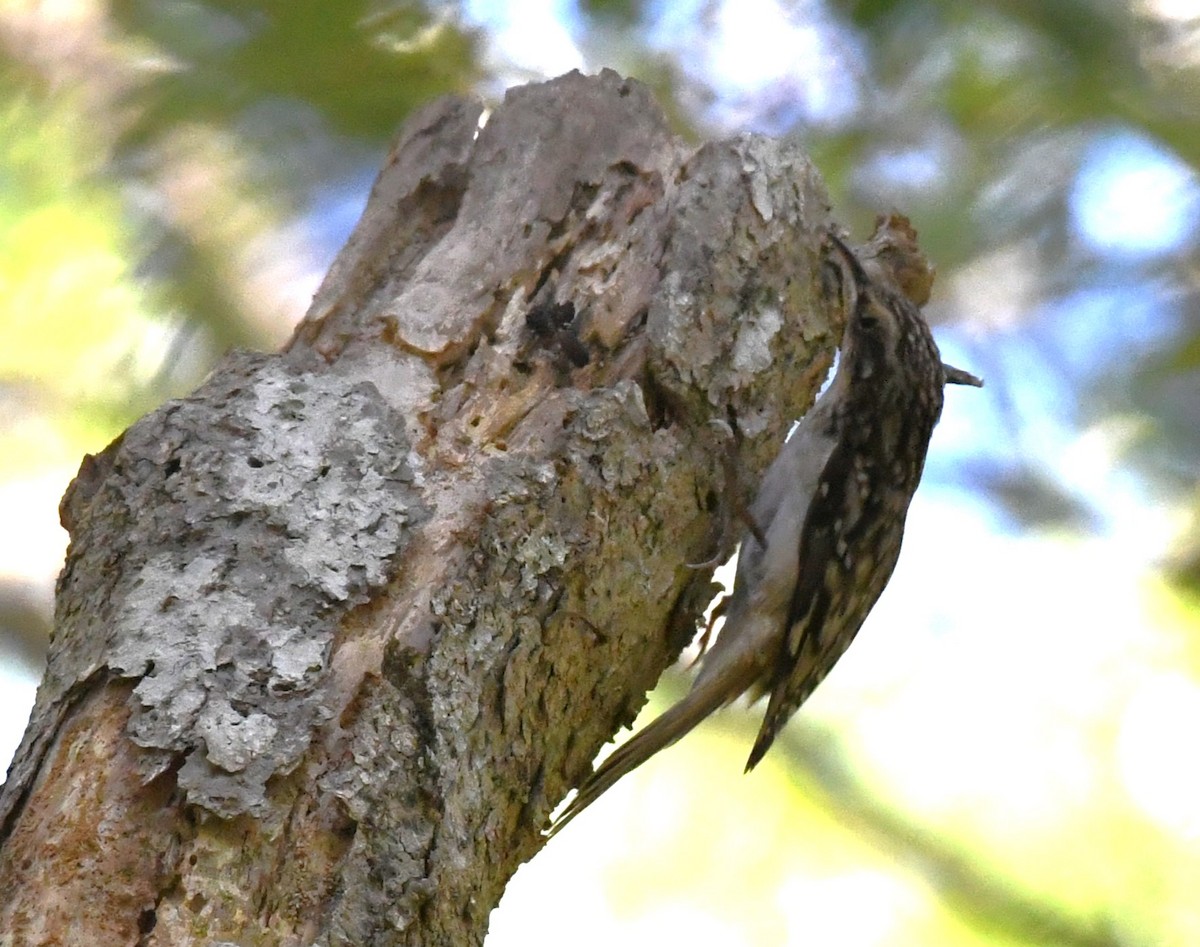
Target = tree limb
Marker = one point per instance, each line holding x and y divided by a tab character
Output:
339	630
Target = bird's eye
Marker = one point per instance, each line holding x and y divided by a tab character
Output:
867	318
871	316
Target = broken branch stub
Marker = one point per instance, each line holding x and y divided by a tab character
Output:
377	600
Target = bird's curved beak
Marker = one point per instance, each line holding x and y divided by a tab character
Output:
956	376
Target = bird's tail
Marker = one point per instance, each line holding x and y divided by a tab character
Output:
707	694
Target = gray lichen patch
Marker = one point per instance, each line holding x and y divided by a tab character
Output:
245	520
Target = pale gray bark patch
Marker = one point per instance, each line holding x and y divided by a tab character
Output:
738	263
247	519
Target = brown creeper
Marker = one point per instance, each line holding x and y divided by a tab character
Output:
831	508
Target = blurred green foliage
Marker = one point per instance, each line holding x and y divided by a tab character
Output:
362	65
73	319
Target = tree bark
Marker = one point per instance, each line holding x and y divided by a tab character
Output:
338	631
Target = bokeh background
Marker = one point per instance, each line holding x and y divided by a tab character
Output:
1009	753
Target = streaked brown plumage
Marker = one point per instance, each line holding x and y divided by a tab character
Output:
832	509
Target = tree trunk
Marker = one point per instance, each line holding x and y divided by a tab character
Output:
338	631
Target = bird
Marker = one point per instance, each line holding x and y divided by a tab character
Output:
825	527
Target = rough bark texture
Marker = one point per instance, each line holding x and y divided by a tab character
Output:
338	631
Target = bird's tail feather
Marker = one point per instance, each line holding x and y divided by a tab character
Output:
707	695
